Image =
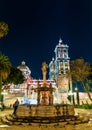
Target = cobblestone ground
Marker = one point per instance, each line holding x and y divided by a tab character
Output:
60	126
67	127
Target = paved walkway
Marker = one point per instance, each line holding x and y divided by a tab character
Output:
85	126
6	112
85	112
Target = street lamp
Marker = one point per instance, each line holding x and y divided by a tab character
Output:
77	96
71	95
3	93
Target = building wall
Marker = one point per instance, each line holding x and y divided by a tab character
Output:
83	98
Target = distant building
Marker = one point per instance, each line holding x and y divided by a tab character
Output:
25	69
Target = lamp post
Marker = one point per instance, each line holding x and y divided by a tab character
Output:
77	96
3	93
71	97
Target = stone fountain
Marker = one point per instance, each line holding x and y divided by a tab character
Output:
45	107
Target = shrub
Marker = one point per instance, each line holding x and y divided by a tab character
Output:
84	106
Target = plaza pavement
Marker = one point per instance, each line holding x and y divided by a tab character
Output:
81	112
6	112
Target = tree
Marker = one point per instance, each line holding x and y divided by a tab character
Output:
3	29
90	74
16	76
5	66
80	71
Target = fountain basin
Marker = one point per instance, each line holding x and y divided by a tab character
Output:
45	111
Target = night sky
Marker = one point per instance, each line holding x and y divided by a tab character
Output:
35	27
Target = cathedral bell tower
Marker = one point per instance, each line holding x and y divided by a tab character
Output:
59	67
61	58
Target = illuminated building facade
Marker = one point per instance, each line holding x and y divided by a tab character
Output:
58	78
59	67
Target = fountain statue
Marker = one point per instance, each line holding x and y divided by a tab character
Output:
45	96
44	72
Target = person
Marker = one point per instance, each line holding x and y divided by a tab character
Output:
15	106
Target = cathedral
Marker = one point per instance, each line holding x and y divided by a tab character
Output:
59	67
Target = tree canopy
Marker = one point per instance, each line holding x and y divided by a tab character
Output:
81	71
16	76
5	66
3	29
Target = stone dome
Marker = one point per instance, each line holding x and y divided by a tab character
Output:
25	69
